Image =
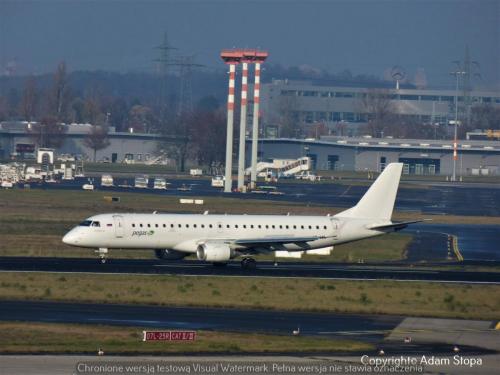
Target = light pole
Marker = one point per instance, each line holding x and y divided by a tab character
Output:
457	74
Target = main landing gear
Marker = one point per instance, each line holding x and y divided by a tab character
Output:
103	254
248	263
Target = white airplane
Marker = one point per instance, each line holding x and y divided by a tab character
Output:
219	238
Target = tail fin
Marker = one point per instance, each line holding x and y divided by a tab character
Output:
378	201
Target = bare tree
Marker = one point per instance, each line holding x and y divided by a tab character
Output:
48	133
180	127
378	106
288	120
485	116
97	139
29	100
209	137
141	118
59	95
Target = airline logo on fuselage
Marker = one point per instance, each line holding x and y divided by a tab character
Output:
140	233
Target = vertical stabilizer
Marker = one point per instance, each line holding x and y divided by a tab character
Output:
378	201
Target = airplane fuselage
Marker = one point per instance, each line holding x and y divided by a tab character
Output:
184	232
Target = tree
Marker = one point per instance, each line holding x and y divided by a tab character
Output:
208	138
29	99
59	95
118	114
288	121
141	118
380	109
97	139
180	127
48	133
485	116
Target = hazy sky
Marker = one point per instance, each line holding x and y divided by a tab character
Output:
361	35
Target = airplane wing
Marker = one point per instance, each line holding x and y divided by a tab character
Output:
274	240
395	226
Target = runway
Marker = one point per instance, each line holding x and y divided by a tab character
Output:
233	269
369	327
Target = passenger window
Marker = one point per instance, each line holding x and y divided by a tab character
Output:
317	226
236	226
164	225
140	225
287	227
227	226
267	226
220	225
149	225
203	225
210	225
301	227
260	226
272	226
194	225
133	225
310	227
171	225
324	227
179	225
156	225
244	226
251	226
281	226
187	225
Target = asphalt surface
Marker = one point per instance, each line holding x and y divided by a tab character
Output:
476	242
460	199
370	327
233	269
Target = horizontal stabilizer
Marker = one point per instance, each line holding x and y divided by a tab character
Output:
395	226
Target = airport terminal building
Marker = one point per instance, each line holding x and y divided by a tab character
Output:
312	103
421	157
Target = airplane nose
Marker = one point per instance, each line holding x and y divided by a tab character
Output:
70	238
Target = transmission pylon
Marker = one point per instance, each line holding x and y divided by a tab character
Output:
164	61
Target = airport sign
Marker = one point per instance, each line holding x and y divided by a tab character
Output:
168	335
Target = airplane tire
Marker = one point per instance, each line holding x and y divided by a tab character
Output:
248	263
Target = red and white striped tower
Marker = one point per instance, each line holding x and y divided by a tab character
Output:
243	124
260	57
232	58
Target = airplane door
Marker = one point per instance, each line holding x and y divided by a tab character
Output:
119	226
335	227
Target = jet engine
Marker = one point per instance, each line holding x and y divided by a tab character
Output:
167	254
214	252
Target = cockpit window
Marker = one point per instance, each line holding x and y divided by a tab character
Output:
96	224
85	223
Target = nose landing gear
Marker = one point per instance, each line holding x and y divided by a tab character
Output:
103	254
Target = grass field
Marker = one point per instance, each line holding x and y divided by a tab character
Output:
373	297
24	337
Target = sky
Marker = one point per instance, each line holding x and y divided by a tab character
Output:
364	36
